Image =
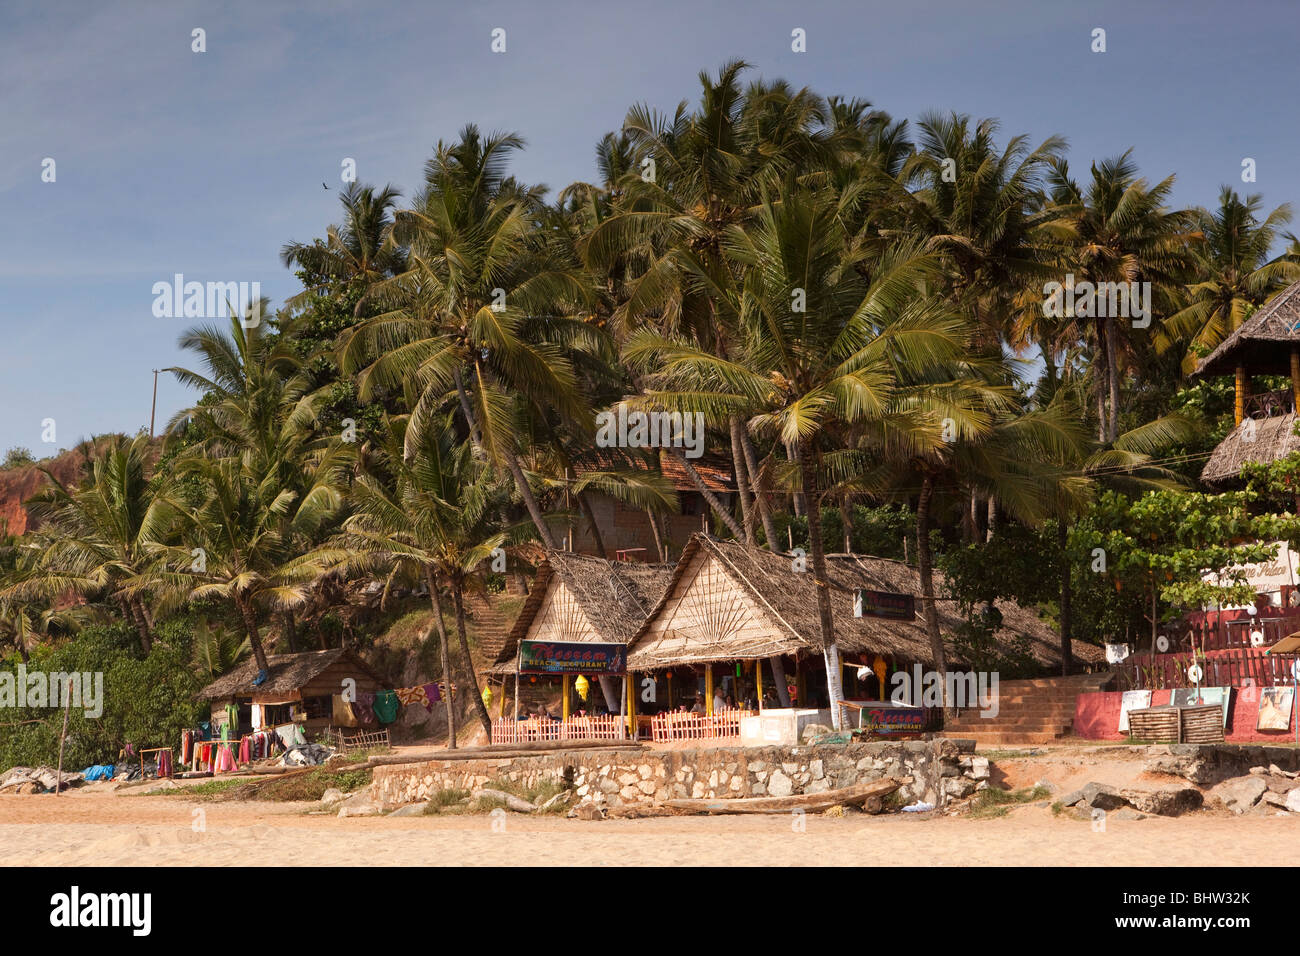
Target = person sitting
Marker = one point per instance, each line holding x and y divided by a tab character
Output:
698	707
719	702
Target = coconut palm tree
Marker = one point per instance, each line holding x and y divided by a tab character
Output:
1121	230
1234	273
97	537
482	318
820	347
439	517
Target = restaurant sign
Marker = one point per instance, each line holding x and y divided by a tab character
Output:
571	657
887	604
893	720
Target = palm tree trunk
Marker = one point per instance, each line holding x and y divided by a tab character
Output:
727	518
659	538
1112	367
808	472
925	563
739	466
289	630
760	499
590	514
798	498
1102	379
249	616
142	625
512	463
431	581
458	597
1062	541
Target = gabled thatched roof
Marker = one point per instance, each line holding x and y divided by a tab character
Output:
286	674
788	600
1255	439
1263	342
615	596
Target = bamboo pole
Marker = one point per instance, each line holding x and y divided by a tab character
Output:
1239	395
67	706
565	707
1295	378
708	689
758	681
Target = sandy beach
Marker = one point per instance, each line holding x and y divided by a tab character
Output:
107	829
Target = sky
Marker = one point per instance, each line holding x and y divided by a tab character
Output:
168	160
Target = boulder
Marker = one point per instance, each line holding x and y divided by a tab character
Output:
1166	801
814	730
780	785
332	795
1098	796
410	810
1240	793
1128	813
1292	801
587	811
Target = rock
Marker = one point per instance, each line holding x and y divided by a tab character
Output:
1292	801
958	787
817	769
1128	813
1272	798
979	768
332	795
1099	796
1277	771
517	804
587	811
410	810
780	785
1258	770
1167	801
1240	793
349	809
814	730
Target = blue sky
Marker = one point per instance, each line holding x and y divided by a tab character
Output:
206	163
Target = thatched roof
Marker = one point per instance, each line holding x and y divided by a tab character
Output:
1263	342
286	674
615	597
1255	439
788	600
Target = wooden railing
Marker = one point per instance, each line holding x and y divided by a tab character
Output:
1235	668
1270	404
610	727
675	725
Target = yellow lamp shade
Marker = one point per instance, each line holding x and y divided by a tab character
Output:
581	685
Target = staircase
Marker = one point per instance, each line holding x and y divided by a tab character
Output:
490	624
1037	711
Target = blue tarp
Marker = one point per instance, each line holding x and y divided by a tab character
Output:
100	772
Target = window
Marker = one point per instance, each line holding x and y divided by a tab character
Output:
319	708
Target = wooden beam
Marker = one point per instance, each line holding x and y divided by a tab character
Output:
859	793
1295	378
1239	399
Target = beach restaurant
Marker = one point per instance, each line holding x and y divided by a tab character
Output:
570	637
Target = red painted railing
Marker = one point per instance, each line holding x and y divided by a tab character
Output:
611	727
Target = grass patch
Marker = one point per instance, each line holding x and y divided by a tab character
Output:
208	790
310	786
537	794
990	803
445	801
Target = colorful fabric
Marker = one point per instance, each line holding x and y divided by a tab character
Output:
432	694
364	707
164	763
410	695
386	705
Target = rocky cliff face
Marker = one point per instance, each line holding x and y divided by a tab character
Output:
19	484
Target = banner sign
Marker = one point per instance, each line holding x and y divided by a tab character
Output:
886	604
571	657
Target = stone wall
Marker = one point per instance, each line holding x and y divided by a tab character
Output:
941	770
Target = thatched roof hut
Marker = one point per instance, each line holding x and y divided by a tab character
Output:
1263	342
287	674
579	597
1255	439
728	601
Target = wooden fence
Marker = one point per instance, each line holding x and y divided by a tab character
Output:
674	725
1233	668
371	740
610	727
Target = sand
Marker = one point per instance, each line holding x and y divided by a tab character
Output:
94	829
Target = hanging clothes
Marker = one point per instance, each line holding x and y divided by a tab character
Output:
363	707
386	706
411	695
432	694
164	763
245	750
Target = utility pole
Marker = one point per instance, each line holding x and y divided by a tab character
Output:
154	407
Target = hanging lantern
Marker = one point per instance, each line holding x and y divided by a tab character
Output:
487	695
532	680
670	675
581	685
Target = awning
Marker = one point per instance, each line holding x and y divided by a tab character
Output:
1288	645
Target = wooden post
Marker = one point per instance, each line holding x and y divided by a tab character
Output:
627	694
565	709
1295	378
67	705
1239	402
708	689
758	681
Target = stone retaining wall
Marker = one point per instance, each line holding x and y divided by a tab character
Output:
941	770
